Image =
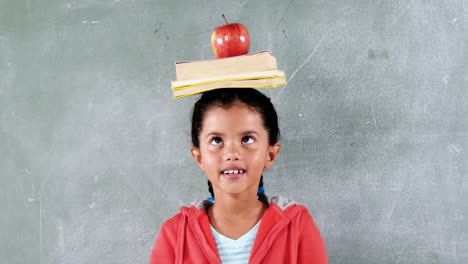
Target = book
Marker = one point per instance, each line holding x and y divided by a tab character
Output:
259	83
255	70
253	62
232	77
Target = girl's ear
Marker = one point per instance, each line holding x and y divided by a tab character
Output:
273	152
196	154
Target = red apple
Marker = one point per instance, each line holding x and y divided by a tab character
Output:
230	40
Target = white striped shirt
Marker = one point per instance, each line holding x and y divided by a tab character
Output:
235	251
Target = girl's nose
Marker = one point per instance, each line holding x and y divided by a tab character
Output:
231	156
232	152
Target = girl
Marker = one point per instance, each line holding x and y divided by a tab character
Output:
235	138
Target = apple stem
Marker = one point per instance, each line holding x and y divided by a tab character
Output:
225	19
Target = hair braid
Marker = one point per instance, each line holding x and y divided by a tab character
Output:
261	195
210	188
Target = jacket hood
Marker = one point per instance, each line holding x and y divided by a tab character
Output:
195	209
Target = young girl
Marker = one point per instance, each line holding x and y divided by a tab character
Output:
235	138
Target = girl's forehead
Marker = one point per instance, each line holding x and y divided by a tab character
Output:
237	107
237	114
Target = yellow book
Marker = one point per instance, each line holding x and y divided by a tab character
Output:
225	78
253	62
253	83
255	70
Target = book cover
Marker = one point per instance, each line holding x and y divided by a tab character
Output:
253	62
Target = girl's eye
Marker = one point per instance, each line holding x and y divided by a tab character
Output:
247	140
216	141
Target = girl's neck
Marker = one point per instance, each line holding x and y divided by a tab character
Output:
237	207
235	217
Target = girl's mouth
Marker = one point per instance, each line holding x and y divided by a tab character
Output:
232	174
233	171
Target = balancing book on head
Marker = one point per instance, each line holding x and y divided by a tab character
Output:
255	70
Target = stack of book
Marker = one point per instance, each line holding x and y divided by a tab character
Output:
255	70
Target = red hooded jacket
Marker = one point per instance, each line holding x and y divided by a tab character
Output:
287	235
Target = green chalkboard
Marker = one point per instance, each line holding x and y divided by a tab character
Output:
94	153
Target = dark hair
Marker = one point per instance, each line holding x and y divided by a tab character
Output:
226	98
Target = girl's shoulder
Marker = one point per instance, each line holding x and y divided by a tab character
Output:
280	207
280	204
193	211
287	207
283	202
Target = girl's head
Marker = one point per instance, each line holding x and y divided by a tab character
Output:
235	137
227	97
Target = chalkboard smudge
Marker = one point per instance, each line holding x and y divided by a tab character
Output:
92	205
390	213
311	54
31	199
445	79
454	150
40	226
402	13
375	54
91	22
286	10
373	114
28	5
159	27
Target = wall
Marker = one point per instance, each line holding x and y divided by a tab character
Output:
94	151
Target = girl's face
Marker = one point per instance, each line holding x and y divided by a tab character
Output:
234	149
